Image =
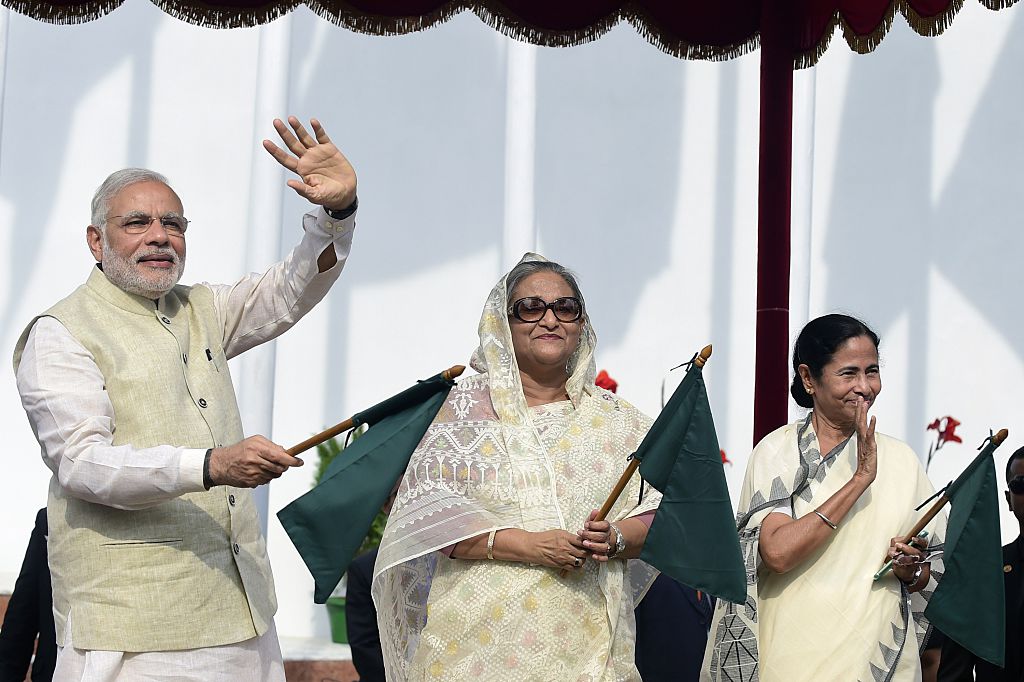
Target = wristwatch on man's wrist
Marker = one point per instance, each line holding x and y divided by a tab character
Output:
345	212
620	542
207	480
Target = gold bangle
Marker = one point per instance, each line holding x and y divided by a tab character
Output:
490	544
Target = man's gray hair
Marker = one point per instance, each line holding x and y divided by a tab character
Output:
524	270
116	182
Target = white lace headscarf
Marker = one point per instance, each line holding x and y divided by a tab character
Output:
496	357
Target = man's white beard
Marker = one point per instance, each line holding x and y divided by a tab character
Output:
125	273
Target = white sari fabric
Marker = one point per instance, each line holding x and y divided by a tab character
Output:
491	462
827	619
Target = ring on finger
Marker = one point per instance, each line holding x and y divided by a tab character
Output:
577	562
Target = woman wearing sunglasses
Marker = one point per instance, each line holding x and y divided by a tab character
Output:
491	567
822	498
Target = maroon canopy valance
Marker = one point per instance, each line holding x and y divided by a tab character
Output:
692	29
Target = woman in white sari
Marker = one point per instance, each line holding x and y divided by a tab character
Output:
491	566
821	500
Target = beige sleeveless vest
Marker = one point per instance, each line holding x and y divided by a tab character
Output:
188	573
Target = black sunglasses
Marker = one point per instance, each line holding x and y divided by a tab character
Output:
1016	485
533	309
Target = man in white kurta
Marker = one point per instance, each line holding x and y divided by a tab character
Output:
158	564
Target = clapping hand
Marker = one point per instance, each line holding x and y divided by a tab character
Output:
326	176
867	450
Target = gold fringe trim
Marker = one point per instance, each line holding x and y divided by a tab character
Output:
212	15
928	26
341	14
675	47
498	17
808	59
491	12
66	16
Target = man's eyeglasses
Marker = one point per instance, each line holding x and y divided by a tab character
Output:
1016	485
137	223
533	309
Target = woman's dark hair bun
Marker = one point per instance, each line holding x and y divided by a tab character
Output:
799	393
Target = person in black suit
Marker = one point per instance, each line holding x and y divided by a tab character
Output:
30	616
361	617
672	624
959	664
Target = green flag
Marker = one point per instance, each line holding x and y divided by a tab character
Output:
328	523
693	538
968	604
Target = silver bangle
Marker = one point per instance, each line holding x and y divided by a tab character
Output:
490	544
620	542
826	520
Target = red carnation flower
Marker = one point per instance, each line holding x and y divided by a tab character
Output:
606	382
945	428
948	433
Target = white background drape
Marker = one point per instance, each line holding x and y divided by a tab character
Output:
633	168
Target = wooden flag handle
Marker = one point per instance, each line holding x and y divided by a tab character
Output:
325	435
617	490
700	360
453	372
922	522
997	440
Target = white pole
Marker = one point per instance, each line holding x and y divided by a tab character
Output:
801	196
254	373
519	234
5	22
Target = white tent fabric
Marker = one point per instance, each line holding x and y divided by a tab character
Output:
611	157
